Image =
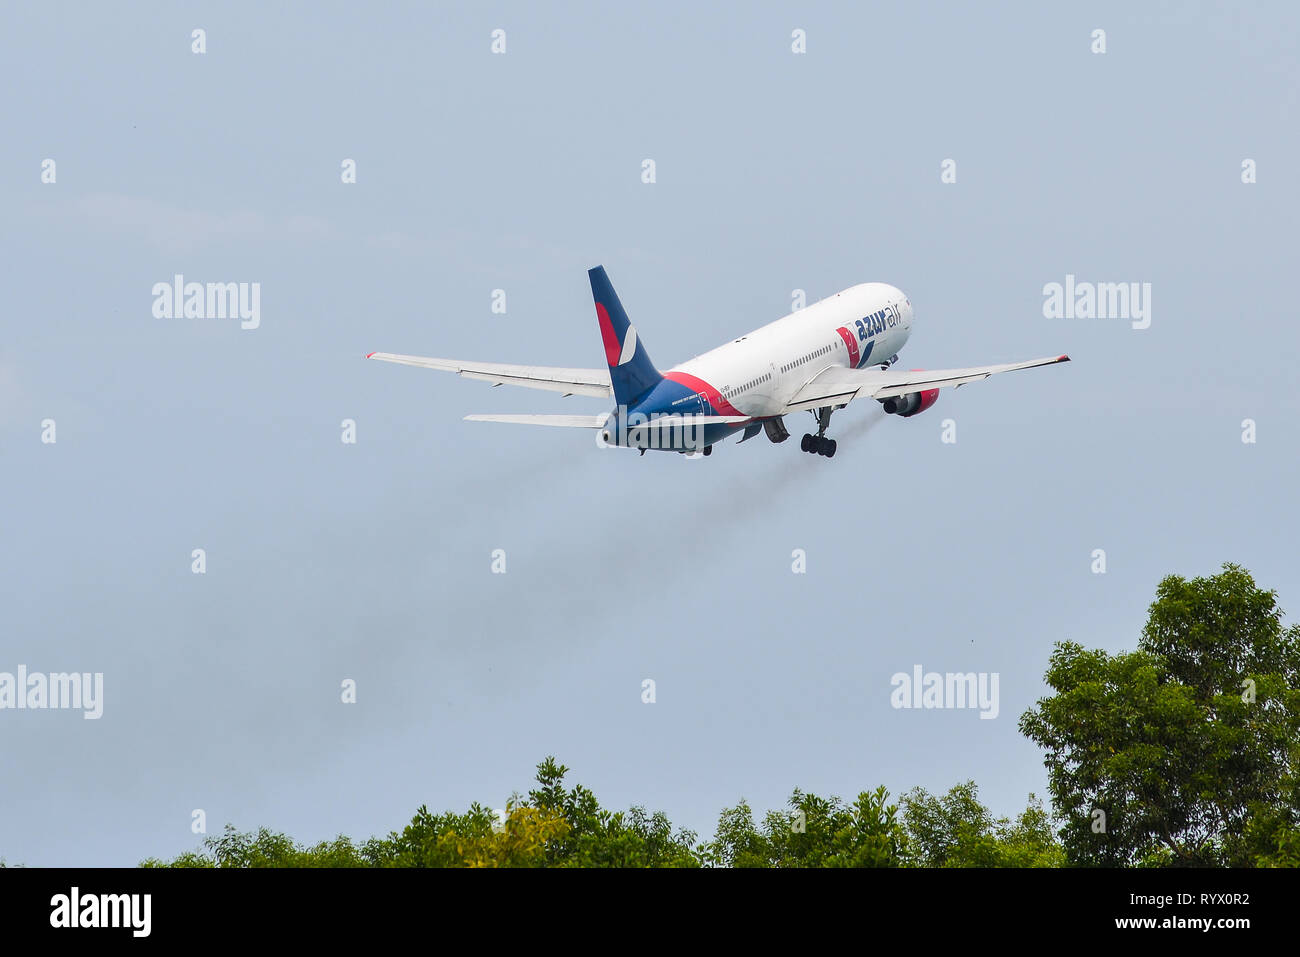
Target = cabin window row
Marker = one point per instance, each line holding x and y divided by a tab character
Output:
808	358
747	386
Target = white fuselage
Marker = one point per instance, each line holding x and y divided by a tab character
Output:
757	373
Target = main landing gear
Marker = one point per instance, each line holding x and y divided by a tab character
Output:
819	444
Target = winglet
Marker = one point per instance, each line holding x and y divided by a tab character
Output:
369	354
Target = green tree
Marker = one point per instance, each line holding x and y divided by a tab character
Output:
737	842
956	830
421	844
553	827
1030	840
1181	743
264	848
596	837
519	841
812	832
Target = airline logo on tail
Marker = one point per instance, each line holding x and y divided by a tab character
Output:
615	354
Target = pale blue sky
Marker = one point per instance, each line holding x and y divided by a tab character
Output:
775	172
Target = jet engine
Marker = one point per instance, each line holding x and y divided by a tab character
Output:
913	403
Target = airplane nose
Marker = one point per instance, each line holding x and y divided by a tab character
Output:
907	306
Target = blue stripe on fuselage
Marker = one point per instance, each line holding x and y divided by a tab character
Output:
671	398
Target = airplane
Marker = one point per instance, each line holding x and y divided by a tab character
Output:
817	359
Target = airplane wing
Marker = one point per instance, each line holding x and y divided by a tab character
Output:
593	382
839	386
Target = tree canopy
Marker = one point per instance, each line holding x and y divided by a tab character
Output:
558	826
1183	752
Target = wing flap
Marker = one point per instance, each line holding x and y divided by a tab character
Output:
834	386
839	386
901	383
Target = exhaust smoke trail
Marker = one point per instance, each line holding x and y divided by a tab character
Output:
673	517
865	424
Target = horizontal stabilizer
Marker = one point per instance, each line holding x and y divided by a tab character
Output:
593	382
558	421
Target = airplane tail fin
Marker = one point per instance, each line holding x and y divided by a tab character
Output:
631	372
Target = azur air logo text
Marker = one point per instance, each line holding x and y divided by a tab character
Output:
877	323
868	327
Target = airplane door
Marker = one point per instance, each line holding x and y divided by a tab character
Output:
704	403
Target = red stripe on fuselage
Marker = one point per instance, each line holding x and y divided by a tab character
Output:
851	341
713	396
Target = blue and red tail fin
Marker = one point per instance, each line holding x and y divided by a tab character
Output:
630	370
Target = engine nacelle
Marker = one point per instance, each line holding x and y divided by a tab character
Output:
914	403
775	429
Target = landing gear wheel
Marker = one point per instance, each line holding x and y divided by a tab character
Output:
819	444
708	450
